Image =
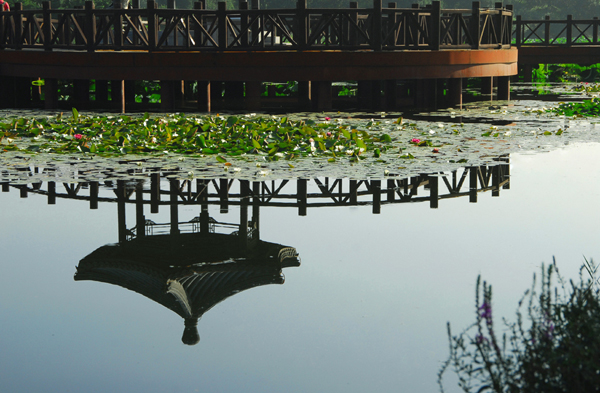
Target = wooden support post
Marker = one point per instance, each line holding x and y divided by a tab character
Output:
390	94
302	196
527	73
475	24
81	92
455	92
304	94
174	191
167	96
204	96
101	91
50	94
322	97
234	95
21	92
252	99
90	26
487	86
503	88
129	90
117	94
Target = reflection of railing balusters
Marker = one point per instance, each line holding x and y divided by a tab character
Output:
224	195
433	191
94	189
376	190
302	196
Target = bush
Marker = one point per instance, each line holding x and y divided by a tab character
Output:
556	350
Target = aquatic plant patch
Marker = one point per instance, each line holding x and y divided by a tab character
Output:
587	108
188	135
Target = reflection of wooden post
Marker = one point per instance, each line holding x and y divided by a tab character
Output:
506	176
414	182
202	187
51	193
5	186
433	191
174	189
302	196
391	194
154	192
140	220
244	195
94	188
353	192
224	195
23	191
473	184
121	211
376	191
256	209
496	181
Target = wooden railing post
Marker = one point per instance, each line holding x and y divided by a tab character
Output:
303	24
498	23
18	18
222	25
47	27
135	4
198	5
476	24
90	25
519	32
436	22
352	32
391	22
118	26
510	9
547	30
569	30
595	30
244	22
152	25
376	43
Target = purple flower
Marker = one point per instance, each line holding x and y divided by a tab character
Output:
486	311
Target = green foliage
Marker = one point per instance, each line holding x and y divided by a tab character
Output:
587	108
208	135
555	350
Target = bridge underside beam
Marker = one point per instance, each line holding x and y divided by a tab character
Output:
555	54
264	66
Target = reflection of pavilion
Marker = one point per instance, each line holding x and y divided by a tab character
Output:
189	267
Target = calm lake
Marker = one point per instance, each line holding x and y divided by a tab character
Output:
364	310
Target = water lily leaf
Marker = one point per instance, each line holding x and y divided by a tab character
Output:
75	115
221	159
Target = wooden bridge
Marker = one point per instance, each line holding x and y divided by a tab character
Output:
396	55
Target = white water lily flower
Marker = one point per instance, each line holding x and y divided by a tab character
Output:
441	125
190	173
507	133
258	165
386	172
431	132
279	155
237	169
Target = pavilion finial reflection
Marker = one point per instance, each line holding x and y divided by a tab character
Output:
189	267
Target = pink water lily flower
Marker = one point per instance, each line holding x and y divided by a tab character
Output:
78	136
415	140
328	118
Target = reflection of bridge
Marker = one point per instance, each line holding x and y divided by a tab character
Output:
313	46
301	193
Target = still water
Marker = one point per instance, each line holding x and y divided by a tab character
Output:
365	309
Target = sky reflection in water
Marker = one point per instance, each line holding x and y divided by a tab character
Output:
366	310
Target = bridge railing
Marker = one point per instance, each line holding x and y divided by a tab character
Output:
302	28
566	32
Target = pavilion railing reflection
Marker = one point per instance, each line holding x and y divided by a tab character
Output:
301	193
